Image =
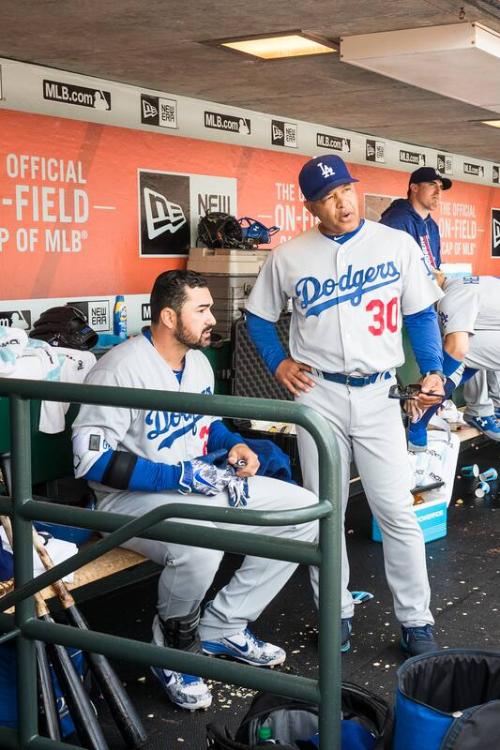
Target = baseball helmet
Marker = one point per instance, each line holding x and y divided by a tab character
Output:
218	229
64	326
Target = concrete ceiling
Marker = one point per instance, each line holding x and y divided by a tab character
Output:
159	45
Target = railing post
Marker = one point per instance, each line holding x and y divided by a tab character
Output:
330	540
27	699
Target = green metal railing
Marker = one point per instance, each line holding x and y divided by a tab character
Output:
25	628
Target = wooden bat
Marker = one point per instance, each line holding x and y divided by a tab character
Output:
46	687
122	709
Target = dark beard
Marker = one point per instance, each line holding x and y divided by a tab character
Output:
183	337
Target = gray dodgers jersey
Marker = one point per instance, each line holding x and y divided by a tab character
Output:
165	437
348	299
470	303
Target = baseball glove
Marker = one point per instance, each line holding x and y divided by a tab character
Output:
64	326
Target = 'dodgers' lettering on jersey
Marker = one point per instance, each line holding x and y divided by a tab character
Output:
172	424
309	289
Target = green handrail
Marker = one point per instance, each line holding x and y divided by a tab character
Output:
25	628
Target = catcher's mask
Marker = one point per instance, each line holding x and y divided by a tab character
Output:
64	326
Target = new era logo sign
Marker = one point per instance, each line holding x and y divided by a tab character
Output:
278	133
495	232
284	133
157	110
164	205
148	109
161	214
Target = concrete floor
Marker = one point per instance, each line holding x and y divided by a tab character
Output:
464	569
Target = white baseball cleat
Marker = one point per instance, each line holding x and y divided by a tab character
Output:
184	690
245	647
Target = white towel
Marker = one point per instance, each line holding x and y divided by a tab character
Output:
74	366
13	341
31	359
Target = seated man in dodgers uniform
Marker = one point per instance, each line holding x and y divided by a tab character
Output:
138	460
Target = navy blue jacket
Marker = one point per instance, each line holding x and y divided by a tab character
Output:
402	215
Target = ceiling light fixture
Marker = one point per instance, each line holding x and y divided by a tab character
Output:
459	60
278	46
493	123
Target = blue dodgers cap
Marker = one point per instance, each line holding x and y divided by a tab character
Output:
323	173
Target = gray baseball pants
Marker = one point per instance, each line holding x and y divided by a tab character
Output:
189	571
369	428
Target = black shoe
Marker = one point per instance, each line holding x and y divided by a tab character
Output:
419	640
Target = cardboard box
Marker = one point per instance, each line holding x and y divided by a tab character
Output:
432	517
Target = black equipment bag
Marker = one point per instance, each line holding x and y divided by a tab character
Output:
366	725
65	326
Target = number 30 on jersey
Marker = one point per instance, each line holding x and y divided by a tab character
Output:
385	316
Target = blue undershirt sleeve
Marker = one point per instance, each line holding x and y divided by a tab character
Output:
222	437
147	476
265	337
425	339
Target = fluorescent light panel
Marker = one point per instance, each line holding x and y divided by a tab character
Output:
461	61
275	47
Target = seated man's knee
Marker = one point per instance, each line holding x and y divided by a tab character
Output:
201	561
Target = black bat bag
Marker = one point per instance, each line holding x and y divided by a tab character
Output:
293	725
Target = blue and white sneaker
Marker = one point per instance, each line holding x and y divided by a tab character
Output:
489	426
184	690
345	634
497	413
245	647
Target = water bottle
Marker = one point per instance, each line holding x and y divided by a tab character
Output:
120	317
490	475
266	736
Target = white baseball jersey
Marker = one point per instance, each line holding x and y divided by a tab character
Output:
471	303
348	299
160	436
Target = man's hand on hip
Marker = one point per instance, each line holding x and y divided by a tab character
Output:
293	376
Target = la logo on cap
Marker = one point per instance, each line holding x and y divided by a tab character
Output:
325	171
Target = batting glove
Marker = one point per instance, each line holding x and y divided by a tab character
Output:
201	475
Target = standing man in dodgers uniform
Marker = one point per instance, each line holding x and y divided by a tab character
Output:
139	460
351	282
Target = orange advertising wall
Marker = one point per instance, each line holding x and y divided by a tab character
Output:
70	203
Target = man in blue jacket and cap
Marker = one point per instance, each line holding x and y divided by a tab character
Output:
413	213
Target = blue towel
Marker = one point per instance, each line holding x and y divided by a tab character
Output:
274	462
